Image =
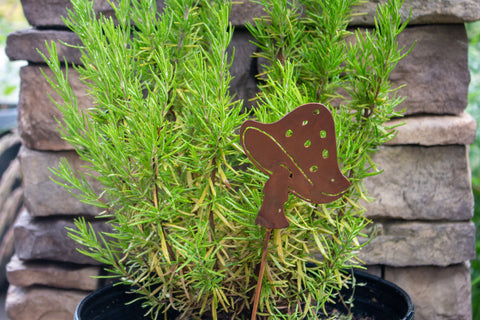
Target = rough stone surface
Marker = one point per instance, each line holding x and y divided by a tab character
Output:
47	239
38	303
427	12
435	72
48	13
401	244
434	130
421	183
23	45
62	276
43	196
37	113
437	293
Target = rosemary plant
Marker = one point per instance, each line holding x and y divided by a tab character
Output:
308	54
161	139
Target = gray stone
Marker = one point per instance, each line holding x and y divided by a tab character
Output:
39	303
434	130
426	12
37	113
437	293
45	197
436	72
402	244
62	276
23	45
423	12
421	183
47	13
47	239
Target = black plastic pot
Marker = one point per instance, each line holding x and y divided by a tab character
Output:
110	302
375	299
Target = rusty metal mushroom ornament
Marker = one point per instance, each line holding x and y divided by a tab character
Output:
299	153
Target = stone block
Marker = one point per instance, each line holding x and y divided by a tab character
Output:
39	303
434	130
37	113
23	45
47	239
435	73
421	183
45	197
437	293
401	244
426	12
47	13
56	275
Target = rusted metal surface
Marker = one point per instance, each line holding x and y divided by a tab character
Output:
299	153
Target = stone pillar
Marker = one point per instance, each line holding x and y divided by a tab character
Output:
424	203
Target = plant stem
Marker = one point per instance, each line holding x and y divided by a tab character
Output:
258	289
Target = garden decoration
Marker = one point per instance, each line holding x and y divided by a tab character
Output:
299	153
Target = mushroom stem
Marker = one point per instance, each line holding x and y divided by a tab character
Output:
271	214
258	289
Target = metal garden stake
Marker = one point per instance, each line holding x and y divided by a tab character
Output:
299	154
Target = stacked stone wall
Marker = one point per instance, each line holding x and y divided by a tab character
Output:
424	203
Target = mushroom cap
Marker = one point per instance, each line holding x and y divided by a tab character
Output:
303	142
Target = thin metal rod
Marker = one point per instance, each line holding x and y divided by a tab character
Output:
258	289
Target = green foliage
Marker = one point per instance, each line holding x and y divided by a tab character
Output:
475	264
473	108
178	192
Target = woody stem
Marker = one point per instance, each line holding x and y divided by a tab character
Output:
258	289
